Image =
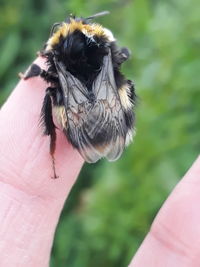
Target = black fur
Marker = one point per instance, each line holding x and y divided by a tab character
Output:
46	113
81	57
48	124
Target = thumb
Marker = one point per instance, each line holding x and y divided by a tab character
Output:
174	236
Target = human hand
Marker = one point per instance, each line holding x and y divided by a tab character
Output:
174	238
31	201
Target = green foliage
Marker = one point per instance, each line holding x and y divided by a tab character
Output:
112	205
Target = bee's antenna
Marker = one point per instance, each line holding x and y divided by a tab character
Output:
56	24
98	15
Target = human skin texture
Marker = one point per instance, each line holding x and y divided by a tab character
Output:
31	201
174	237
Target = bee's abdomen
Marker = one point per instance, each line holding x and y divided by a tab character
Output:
97	130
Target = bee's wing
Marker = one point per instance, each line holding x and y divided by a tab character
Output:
113	122
104	87
77	108
74	92
97	129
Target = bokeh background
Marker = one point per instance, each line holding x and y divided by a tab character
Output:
112	205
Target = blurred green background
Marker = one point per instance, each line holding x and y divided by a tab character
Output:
112	205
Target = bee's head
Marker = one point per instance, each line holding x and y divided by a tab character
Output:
81	46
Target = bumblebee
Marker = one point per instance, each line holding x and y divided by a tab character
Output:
89	97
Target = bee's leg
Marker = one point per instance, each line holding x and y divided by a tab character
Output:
35	70
124	54
49	126
49	76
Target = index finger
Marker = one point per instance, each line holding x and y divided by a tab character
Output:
25	161
174	238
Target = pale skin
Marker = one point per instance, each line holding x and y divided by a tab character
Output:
31	202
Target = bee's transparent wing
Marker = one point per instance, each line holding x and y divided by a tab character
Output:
77	108
113	123
74	92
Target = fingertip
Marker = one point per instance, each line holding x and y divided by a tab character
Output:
24	148
193	174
